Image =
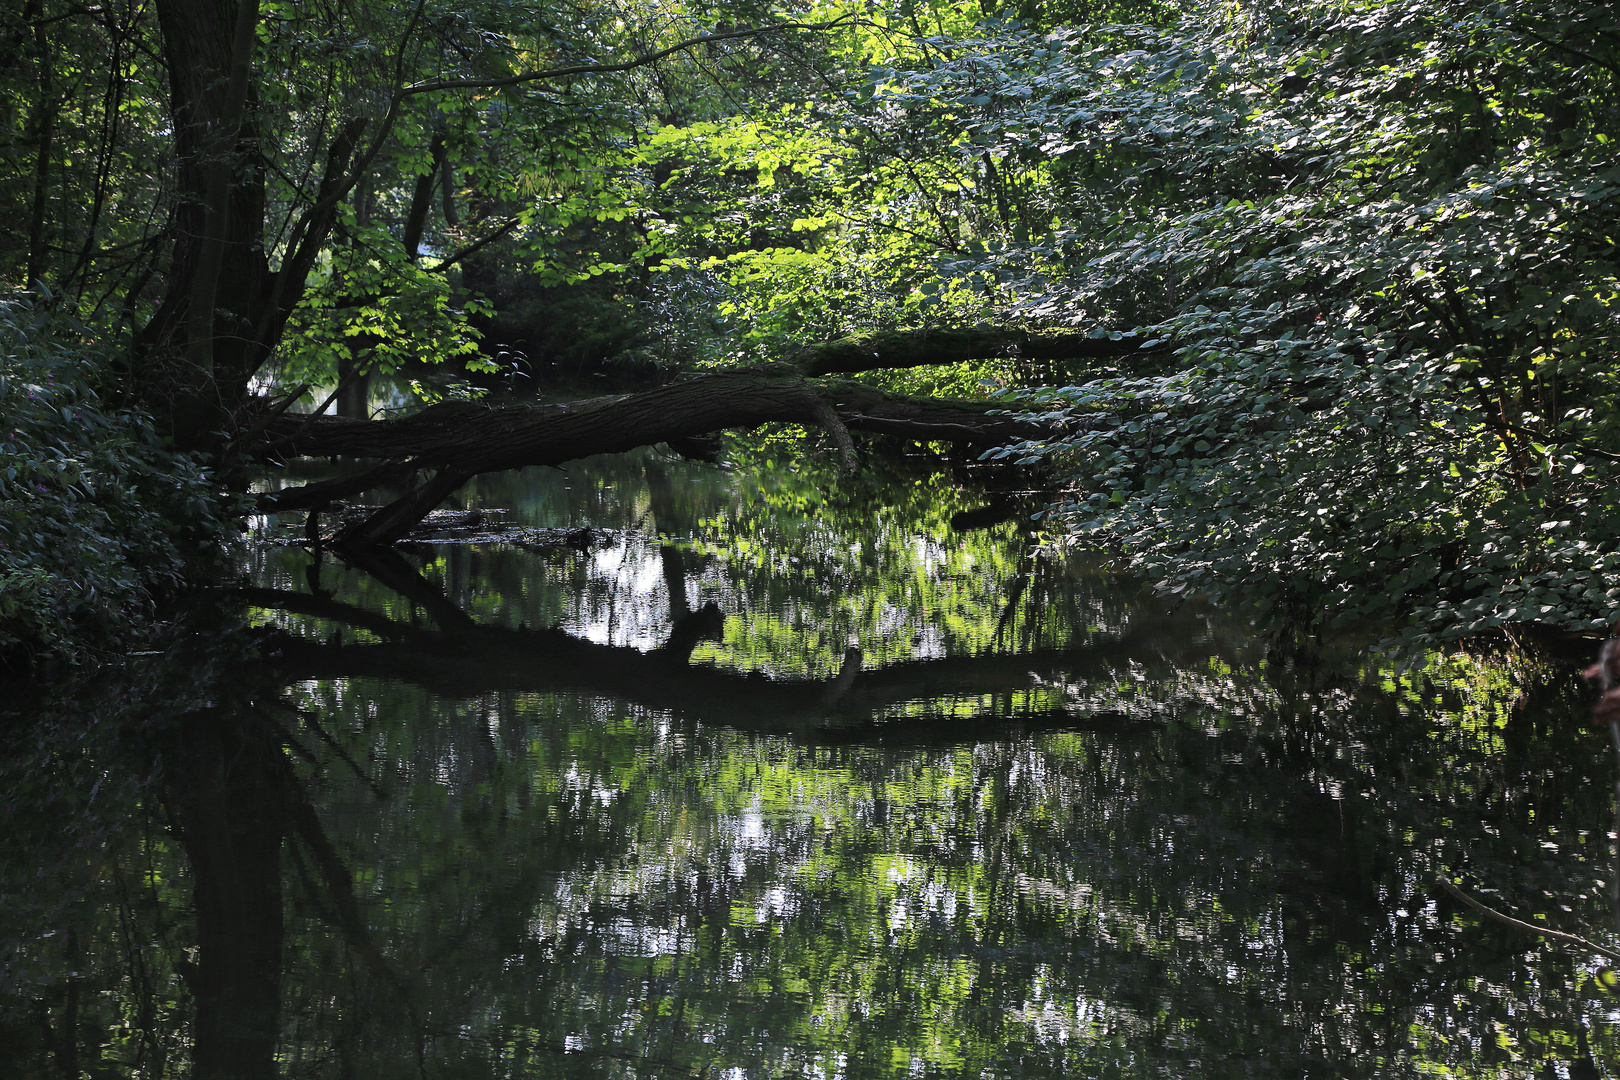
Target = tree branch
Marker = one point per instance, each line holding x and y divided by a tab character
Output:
1559	45
608	69
1520	924
476	246
386	126
923	348
459	440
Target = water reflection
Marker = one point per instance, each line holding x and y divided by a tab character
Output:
671	803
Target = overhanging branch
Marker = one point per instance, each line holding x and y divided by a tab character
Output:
609	69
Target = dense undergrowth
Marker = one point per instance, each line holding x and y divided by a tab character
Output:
98	519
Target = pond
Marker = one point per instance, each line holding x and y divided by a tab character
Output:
654	769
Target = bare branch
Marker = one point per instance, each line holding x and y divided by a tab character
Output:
608	69
476	247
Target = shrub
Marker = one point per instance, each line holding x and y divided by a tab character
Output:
97	518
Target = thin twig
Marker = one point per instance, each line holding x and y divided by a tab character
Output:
1588	57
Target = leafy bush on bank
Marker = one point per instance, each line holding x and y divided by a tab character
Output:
1381	239
97	518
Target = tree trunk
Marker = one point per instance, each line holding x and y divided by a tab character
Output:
456	441
422	199
200	346
224	311
44	127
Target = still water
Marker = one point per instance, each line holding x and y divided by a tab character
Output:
653	769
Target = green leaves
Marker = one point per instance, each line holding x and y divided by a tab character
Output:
94	515
1389	399
372	307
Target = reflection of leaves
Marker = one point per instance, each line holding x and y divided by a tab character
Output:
1223	861
801	558
955	905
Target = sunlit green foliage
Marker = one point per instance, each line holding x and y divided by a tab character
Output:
1382	241
372	308
1378	239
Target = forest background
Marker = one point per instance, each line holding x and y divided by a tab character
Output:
1343	278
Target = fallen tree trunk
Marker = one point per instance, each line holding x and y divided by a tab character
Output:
456	441
477	437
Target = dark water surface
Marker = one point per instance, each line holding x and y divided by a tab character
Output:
663	771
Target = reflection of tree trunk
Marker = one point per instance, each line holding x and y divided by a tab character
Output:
468	661
63	1037
393	570
1001	507
227	791
661	498
465	659
707	623
673	565
848	671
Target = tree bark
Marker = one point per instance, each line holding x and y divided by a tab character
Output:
422	199
200	343
44	126
224	310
